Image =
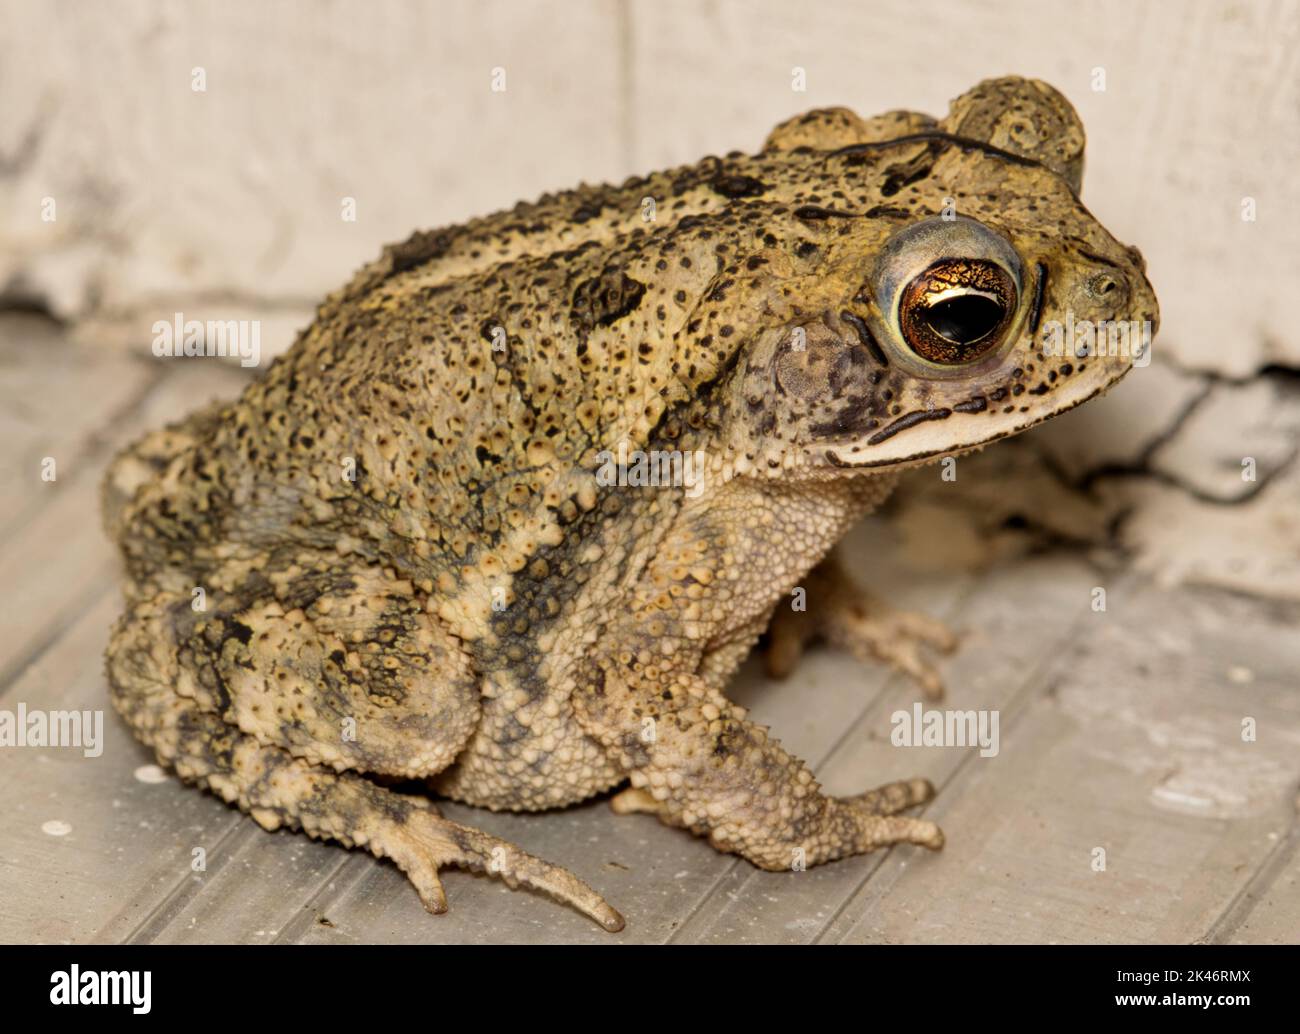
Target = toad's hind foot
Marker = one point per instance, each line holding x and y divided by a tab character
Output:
278	789
427	842
849	618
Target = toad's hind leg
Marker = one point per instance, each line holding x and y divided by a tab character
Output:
277	789
186	714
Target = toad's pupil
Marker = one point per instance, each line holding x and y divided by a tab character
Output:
965	319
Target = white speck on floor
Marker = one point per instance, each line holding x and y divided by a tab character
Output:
1175	797
56	828
150	774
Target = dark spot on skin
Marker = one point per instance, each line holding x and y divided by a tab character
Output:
737	186
865	336
395	807
816	213
603	299
1040	287
887	212
896	181
419	248
240	631
937	136
918	416
849	418
973	405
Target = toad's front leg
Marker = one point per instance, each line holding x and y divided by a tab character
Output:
697	762
846	616
654	701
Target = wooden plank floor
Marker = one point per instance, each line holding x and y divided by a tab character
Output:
1120	732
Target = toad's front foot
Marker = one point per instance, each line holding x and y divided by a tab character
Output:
842	614
889	799
892	798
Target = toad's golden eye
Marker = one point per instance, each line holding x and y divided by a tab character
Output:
957	310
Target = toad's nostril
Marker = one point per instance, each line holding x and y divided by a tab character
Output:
1104	285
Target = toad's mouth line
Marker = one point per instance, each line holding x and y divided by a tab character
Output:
917	416
924	416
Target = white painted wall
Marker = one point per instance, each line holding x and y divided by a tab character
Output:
167	197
